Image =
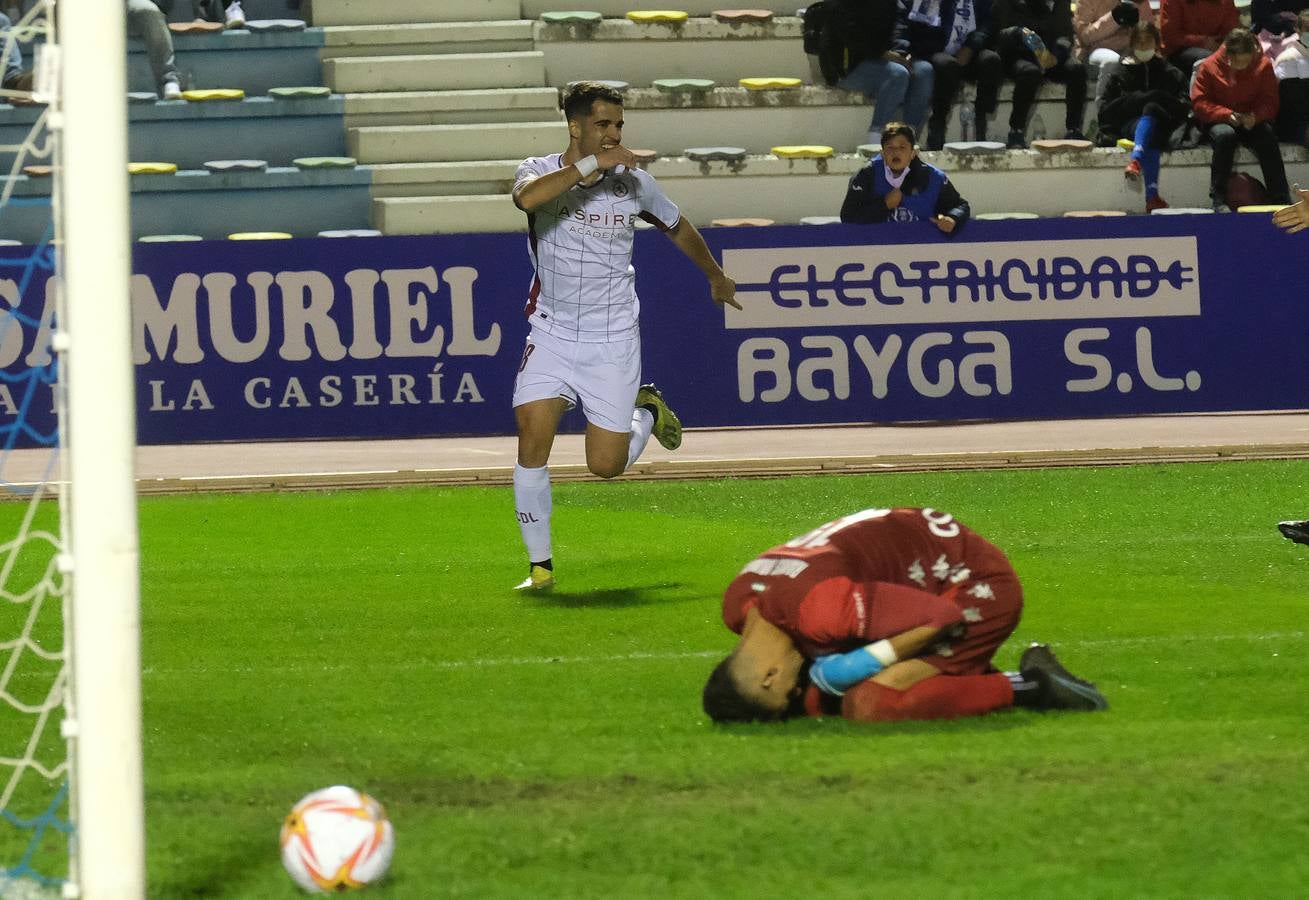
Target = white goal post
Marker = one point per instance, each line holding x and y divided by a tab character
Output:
100	432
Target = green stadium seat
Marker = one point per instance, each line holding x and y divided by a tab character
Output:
572	17
220	166
271	26
684	85
301	92
325	162
715	154
738	16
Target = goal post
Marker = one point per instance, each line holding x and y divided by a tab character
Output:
93	217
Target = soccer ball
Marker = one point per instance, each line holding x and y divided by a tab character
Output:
335	840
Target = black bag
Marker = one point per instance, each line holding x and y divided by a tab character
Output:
825	38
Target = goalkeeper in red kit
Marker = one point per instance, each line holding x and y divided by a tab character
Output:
882	615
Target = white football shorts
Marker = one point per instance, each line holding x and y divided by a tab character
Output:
603	377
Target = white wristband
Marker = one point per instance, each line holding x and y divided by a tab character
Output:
586	165
883	652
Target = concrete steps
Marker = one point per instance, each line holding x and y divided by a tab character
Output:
428	143
613	9
434	72
400	12
528	104
427	39
447	215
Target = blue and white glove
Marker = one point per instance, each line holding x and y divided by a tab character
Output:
838	672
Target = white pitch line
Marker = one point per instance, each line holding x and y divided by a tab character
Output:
490	661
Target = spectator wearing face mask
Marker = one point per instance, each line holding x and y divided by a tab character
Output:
1292	71
1145	100
1235	98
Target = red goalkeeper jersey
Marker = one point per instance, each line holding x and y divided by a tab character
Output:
877	573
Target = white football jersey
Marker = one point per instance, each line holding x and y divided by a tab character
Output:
584	288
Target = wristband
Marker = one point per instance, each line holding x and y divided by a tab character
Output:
883	652
586	165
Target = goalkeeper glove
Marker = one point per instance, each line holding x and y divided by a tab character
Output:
836	673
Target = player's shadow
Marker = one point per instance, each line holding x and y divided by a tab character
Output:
617	598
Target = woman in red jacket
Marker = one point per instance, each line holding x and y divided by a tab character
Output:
1193	29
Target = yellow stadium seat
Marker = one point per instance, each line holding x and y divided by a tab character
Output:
1126	144
1093	213
804	151
151	168
769	83
1262	208
210	94
664	16
259	236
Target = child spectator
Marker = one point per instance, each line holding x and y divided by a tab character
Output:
1035	41
1192	29
880	67
1292	71
1145	99
1101	31
1234	95
953	34
897	186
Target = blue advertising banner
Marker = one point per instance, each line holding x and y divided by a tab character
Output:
421	336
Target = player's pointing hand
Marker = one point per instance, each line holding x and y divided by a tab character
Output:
723	290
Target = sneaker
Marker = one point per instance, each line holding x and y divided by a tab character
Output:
1060	689
539	578
1017	140
667	427
1132	171
1155	202
234	16
172	90
1295	531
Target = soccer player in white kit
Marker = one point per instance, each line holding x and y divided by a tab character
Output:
585	346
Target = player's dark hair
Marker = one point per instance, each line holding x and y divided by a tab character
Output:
579	98
899	129
1240	40
724	702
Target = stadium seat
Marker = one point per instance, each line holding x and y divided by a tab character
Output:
1183	211
572	17
1126	144
1061	146
658	16
742	222
1093	213
350	233
219	166
269	26
736	16
868	151
142	97
301	92
644	157
38	171
683	85
820	220
167	238
1261	208
997	216
974	147
197	27
259	236
6	242
715	154
769	83
213	95
325	162
151	168
804	151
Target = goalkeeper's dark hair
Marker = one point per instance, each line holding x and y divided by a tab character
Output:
578	99
724	702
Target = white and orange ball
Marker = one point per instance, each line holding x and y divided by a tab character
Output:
337	839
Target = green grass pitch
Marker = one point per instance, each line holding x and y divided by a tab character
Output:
553	746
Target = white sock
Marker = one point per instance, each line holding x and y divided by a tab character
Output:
642	425
533	503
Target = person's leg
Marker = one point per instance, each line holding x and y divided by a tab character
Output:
145	20
918	94
882	82
1072	73
1146	153
538	421
945	84
1262	139
1026	76
987	69
1223	140
1105	62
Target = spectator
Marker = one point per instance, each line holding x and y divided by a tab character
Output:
880	67
897	186
147	20
1193	29
1234	95
1292	71
1145	99
1101	30
1035	41
14	78
953	34
213	11
1276	16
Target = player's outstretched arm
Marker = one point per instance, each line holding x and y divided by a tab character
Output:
837	673
1295	217
690	242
